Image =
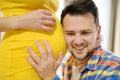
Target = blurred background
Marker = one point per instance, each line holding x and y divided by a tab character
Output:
109	15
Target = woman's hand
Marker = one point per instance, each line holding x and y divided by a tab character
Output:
47	66
38	19
35	20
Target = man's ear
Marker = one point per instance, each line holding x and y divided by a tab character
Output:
98	32
99	37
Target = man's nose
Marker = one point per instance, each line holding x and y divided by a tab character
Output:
78	39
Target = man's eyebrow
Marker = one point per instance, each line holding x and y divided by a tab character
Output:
68	31
80	30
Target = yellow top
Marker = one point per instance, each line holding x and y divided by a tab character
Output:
18	7
13	63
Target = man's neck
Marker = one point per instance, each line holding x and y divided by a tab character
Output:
81	63
77	66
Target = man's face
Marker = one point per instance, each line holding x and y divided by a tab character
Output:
81	34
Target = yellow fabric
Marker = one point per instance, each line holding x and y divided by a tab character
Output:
13	49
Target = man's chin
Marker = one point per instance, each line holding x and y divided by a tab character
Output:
79	56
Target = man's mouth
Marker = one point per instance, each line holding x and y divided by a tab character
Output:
79	50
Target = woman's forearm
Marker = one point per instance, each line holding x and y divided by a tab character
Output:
8	23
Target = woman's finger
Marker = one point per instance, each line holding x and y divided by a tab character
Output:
46	28
46	12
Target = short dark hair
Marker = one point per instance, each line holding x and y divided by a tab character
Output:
80	7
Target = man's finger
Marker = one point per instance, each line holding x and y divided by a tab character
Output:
60	58
33	55
48	49
41	50
34	65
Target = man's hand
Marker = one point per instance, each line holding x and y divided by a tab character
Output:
47	66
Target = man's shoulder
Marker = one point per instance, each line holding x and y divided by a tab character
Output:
110	56
110	60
